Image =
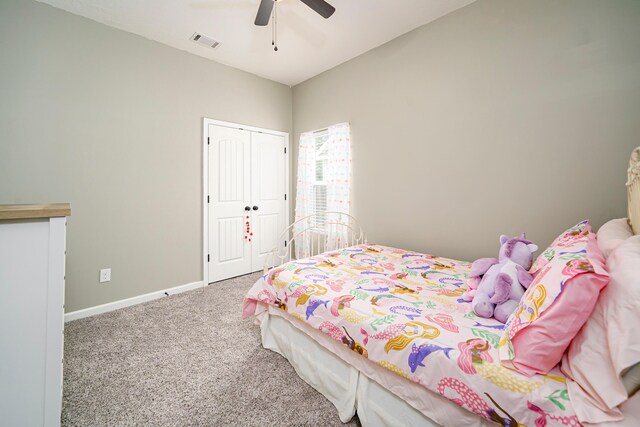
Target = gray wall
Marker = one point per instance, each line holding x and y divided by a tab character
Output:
501	117
504	116
111	122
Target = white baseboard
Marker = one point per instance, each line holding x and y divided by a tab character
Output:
98	309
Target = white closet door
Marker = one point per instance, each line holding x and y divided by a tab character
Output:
230	194
267	195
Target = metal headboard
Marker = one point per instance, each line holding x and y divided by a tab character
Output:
633	191
327	231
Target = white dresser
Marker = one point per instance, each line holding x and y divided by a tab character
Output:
32	273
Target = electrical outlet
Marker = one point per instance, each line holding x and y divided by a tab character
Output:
105	275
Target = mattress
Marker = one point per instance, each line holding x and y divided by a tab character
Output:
403	312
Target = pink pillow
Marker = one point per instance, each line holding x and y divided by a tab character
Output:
578	232
556	305
612	234
609	343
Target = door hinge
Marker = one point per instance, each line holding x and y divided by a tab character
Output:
285	243
208	258
285	196
285	150
207	199
208	141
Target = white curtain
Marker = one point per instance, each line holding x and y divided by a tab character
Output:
337	176
304	192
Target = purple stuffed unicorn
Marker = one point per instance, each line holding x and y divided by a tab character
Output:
503	279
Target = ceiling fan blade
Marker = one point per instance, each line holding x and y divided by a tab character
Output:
264	12
323	8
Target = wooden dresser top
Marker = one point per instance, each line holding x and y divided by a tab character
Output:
34	211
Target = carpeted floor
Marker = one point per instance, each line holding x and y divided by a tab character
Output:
183	360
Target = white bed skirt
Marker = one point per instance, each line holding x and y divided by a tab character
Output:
352	383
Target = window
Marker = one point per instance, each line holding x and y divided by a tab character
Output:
324	180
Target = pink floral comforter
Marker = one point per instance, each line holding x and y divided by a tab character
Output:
403	310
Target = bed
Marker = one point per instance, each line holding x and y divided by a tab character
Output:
385	332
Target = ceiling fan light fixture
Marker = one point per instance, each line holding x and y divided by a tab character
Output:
267	11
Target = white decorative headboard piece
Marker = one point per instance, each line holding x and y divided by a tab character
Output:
346	231
633	190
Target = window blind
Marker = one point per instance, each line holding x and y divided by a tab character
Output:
319	205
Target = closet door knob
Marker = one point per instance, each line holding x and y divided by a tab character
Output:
247	208
255	208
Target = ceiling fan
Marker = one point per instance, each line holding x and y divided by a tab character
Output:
323	8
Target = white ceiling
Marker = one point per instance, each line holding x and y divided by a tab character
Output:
308	44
